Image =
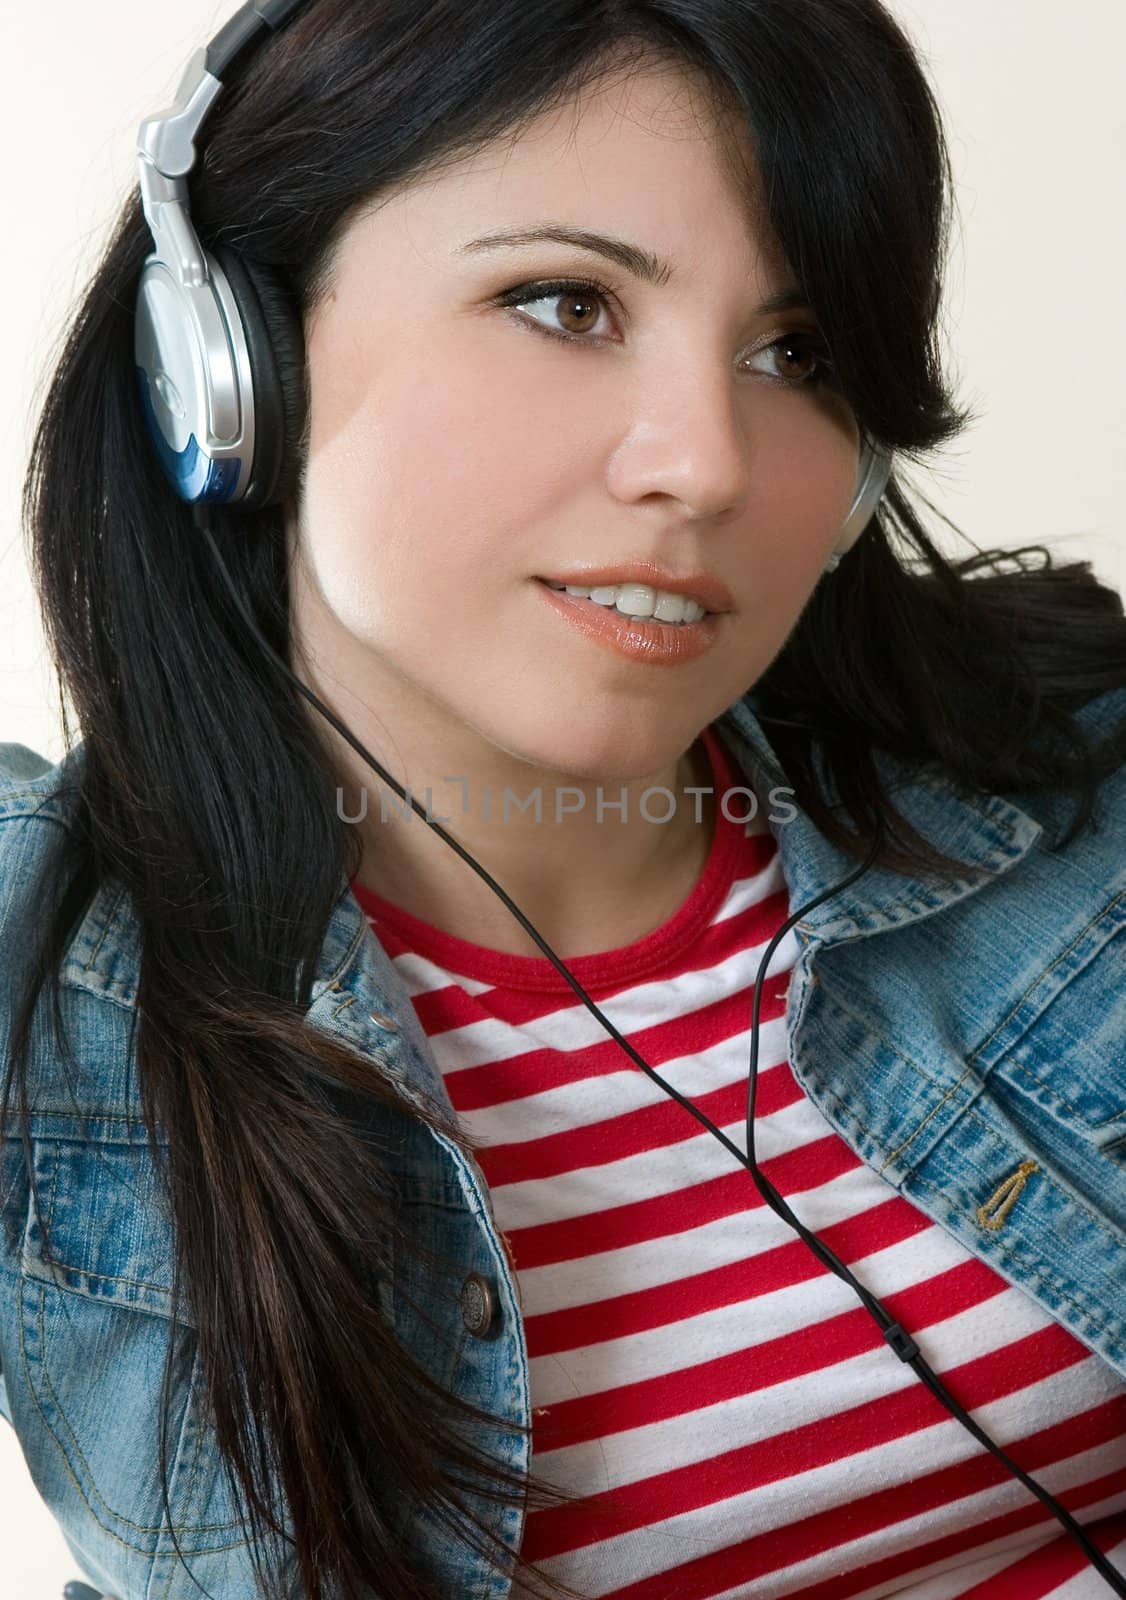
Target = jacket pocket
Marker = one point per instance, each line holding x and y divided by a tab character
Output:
1063	1078
108	1235
94	1332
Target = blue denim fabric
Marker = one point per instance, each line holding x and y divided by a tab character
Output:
968	1042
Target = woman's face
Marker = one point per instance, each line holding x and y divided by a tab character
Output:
458	453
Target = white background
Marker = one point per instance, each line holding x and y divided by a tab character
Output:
1032	98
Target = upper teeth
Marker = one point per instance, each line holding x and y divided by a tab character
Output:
640	600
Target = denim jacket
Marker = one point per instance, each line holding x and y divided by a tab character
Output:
968	1042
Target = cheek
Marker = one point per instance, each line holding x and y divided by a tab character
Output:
393	465
802	495
425	479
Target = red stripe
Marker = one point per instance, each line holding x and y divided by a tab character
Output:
791	1355
1043	1570
858	1428
618	1227
885	1224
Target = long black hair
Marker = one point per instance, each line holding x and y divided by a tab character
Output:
214	812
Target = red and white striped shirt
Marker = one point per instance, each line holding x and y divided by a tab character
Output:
729	1407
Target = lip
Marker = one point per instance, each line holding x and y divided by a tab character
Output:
702	587
653	644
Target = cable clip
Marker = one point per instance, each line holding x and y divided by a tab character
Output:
901	1342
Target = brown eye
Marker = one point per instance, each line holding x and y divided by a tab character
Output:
574	304
801	350
580	309
794	354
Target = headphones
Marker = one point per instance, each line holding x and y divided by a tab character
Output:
218	344
220	366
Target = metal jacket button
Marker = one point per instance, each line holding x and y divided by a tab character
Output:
478	1305
382	1020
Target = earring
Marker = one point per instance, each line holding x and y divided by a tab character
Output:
833	562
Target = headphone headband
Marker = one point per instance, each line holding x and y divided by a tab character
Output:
166	142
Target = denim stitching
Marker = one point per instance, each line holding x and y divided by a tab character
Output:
66	1461
103	1277
83	1272
921	1072
91	1114
141	1527
195	1466
976	1052
51	1206
972	1115
1100	1222
954	1087
105	929
1060	1100
1082	934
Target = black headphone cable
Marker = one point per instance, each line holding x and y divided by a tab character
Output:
895	1335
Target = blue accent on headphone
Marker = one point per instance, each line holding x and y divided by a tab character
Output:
194	478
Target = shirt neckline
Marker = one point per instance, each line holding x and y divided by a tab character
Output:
603	970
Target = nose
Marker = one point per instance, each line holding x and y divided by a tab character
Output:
694	449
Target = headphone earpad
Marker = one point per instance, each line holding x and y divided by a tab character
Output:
276	347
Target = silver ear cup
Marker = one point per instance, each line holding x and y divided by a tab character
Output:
194	378
876	462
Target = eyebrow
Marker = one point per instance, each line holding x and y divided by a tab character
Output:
636	261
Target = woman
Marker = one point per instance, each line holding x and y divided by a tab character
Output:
330	1210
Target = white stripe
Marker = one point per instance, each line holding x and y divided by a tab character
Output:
421	976
753	890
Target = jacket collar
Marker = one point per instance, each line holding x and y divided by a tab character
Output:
984	831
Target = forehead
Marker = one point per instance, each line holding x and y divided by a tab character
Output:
649	149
